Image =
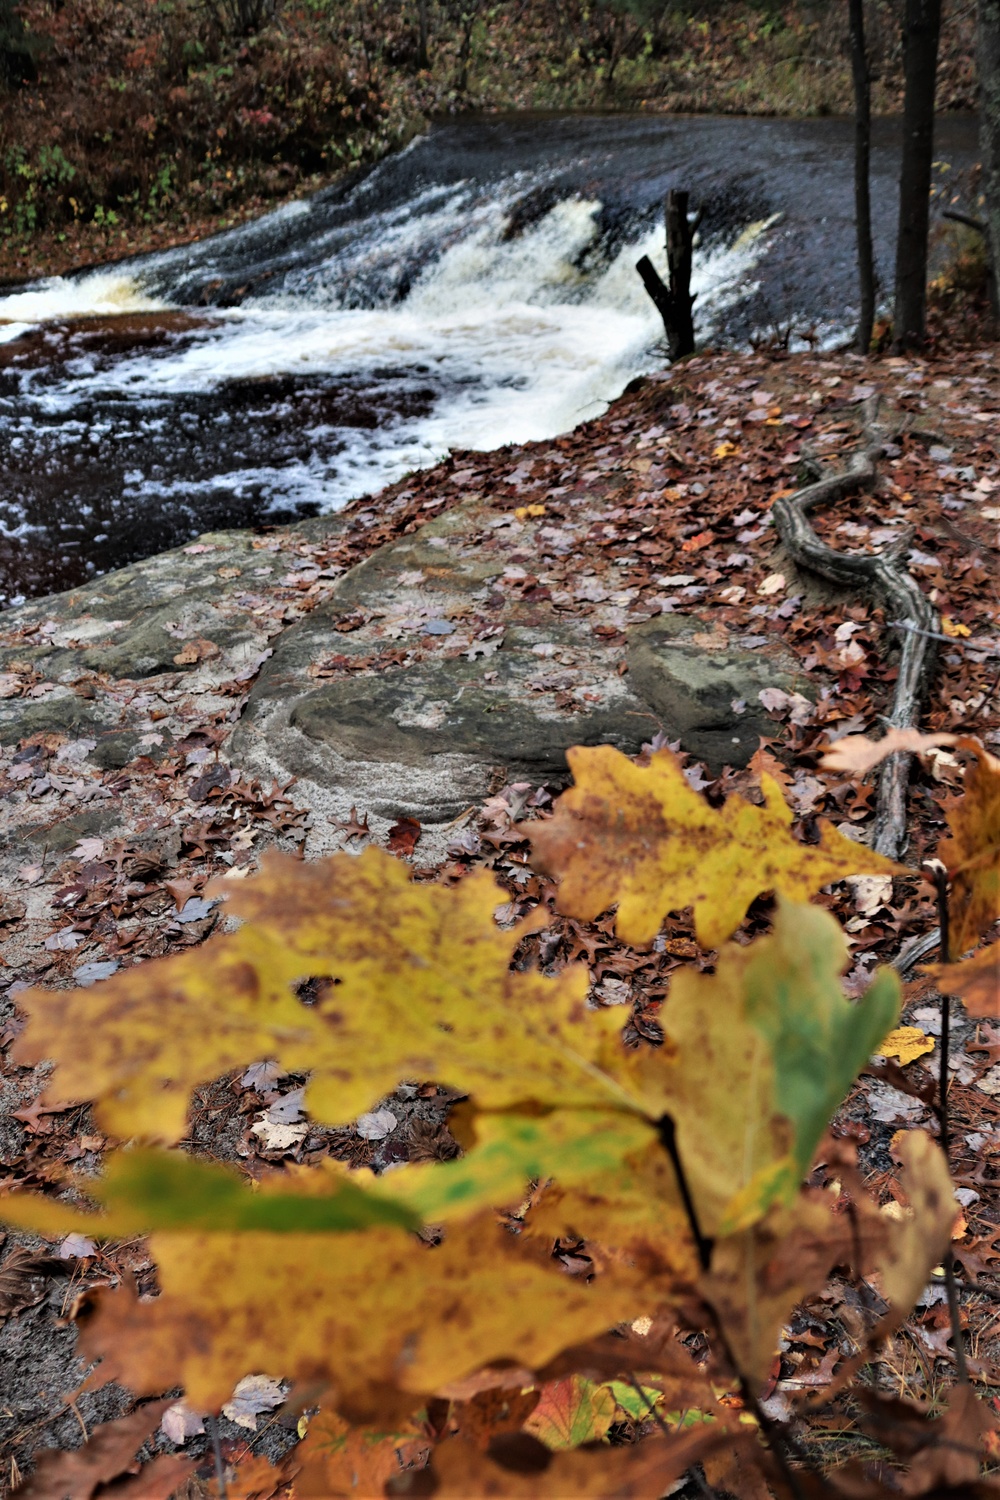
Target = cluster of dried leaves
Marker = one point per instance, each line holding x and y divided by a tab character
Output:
654	471
672	1174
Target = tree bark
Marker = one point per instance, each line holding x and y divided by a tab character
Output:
862	190
674	301
989	126
921	30
423	58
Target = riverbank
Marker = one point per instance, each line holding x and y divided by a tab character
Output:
135	128
418	664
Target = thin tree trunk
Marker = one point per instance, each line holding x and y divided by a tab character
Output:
862	190
989	119
922	28
423	58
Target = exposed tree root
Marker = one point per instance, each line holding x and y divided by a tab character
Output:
910	612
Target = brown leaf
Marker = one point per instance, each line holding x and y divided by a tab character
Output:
518	1465
955	1445
194	651
404	836
109	1451
976	981
24	1277
972	854
858	754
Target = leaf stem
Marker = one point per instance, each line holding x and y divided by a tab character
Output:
939	876
220	1469
667	1131
779	1442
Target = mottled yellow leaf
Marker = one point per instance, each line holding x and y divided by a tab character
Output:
358	1311
639	836
905	1044
423	990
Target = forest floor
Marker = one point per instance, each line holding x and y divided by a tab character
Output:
135	127
666	500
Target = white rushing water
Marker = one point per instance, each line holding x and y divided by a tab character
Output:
514	337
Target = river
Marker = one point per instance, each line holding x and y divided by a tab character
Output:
476	289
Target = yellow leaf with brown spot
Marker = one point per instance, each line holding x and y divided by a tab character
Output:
905	1044
972	854
975	980
360	1312
419	986
641	838
954	628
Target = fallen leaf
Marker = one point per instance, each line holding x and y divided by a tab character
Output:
641	837
179	1423
858	754
571	1412
905	1043
954	628
195	651
404	836
24	1278
254	1395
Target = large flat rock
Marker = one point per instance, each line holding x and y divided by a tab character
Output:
442	665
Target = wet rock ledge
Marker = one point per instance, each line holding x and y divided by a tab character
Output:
533	602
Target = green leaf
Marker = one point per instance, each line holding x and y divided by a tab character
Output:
148	1190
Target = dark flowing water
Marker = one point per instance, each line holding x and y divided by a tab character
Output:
477	289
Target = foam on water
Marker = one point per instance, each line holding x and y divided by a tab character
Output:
522	338
102	294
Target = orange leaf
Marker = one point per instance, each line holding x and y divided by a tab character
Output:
972	854
976	981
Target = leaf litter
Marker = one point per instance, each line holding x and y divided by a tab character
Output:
645	521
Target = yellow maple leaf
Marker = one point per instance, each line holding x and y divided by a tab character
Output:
972	854
905	1043
420	987
954	628
639	836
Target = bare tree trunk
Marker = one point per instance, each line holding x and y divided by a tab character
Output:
989	120
862	190
922	28
423	58
674	301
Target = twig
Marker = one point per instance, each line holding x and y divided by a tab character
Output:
966	219
220	1468
777	1439
886	573
939	875
699	1478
